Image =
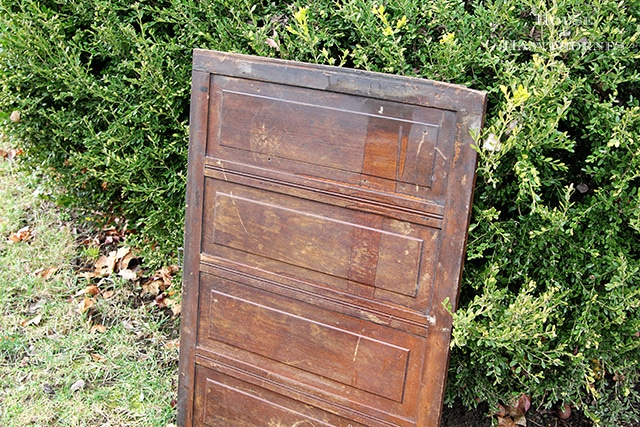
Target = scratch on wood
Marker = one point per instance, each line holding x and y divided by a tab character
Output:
238	213
440	152
355	353
278	423
424	133
375	319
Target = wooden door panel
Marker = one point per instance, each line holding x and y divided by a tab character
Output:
353	353
351	367
401	149
226	401
327	212
363	253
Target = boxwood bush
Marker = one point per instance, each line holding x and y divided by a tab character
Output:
550	299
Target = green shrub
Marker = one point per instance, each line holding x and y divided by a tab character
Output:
551	293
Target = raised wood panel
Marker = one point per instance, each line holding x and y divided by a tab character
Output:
331	352
340	350
400	149
369	256
363	253
395	148
225	401
327	212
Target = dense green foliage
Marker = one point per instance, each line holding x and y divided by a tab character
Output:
551	295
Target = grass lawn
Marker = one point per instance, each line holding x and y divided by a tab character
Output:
74	351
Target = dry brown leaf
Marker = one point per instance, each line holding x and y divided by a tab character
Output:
122	252
34	321
517	415
10	154
166	273
174	305
127	274
126	261
15	116
85	305
513	411
80	292
505	422
108	294
105	265
524	403
153	287
92	290
272	43
161	301
22	235
46	273
98	328
88	274
520	420
176	309
98	358
172	345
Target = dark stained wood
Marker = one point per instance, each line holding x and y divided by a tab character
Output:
327	215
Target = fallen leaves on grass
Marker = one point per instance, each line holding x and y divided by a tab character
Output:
77	386
33	321
10	154
22	235
98	328
162	301
85	305
160	281
122	262
92	290
98	358
153	290
173	345
105	265
158	286
153	287
46	273
514	414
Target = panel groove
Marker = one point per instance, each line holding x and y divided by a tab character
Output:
400	319
432	218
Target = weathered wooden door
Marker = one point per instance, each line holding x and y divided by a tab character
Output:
327	212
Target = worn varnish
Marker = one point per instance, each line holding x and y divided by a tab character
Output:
327	213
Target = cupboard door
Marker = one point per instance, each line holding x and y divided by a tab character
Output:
327	214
